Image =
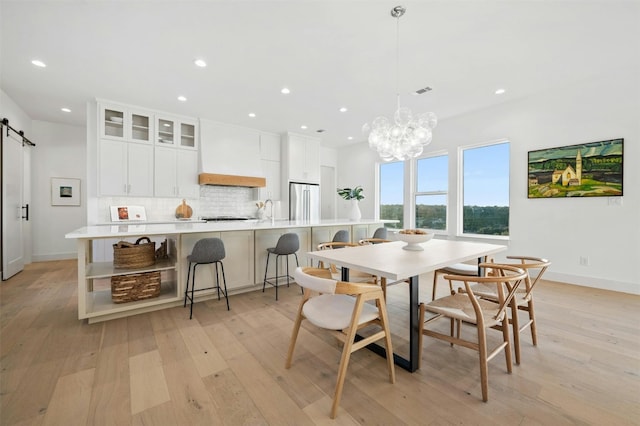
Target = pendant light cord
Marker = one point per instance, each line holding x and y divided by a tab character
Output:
398	61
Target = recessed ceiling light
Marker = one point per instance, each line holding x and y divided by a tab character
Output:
343	109
38	63
303	127
65	110
252	114
349	138
285	91
500	91
200	62
182	99
167	125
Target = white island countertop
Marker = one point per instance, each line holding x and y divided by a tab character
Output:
190	227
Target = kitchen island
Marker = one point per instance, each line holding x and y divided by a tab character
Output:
245	244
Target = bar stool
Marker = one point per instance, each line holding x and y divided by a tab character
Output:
288	244
206	251
341	236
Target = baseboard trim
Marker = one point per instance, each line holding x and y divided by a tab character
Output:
57	256
601	283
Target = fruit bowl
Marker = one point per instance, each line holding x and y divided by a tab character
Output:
413	238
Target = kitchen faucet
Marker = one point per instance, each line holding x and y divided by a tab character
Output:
268	200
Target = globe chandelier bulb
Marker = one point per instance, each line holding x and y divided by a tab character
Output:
406	134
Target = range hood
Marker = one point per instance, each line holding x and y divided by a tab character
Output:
231	180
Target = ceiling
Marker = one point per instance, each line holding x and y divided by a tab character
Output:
330	54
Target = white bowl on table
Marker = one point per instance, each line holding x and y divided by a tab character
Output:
414	240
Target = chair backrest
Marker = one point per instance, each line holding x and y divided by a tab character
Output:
331	246
207	250
531	264
380	233
314	283
287	244
507	280
341	236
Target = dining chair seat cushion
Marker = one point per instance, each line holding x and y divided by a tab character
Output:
460	269
458	306
333	311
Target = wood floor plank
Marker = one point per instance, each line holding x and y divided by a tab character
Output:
148	387
70	400
232	401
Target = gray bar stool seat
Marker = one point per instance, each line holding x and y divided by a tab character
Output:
206	251
288	244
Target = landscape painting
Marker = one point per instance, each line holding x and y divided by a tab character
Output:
587	170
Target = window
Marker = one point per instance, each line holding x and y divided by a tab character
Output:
485	189
391	193
432	182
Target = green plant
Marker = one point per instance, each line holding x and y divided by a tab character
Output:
351	194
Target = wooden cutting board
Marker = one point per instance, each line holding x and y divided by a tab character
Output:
183	211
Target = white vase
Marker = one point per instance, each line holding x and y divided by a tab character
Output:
355	214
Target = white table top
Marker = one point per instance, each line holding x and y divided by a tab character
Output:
391	261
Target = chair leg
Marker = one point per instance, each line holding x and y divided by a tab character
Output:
266	268
287	257
217	280
294	335
384	319
507	347
193	287
224	282
532	319
484	368
516	329
435	281
276	279
186	290
344	360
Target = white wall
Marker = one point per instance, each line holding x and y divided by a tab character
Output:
19	120
559	229
60	152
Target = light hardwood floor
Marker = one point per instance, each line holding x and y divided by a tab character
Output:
227	367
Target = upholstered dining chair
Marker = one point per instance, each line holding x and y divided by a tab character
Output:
342	308
523	300
465	308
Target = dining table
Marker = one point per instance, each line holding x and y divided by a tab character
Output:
391	261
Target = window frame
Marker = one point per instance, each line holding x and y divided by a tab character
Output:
415	193
460	189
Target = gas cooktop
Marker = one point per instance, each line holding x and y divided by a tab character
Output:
225	218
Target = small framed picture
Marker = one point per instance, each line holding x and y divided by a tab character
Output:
65	192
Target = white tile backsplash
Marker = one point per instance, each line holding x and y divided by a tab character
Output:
213	201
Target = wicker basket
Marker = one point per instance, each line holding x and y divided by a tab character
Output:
128	288
129	256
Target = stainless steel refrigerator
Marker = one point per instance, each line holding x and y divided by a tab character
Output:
304	201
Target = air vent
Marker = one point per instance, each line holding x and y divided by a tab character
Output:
424	90
320	131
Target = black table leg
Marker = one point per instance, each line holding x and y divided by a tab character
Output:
410	364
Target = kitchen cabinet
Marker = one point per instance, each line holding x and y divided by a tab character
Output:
94	284
238	261
301	158
120	122
125	168
177	132
175	173
270	147
271	172
269	238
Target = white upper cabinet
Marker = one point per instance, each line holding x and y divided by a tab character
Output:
177	132
270	147
230	150
120	122
301	158
175	173
125	169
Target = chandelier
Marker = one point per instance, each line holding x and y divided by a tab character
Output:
407	134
